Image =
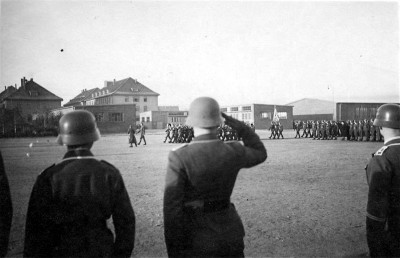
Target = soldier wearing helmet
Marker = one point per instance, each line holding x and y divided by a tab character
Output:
71	201
383	175
199	218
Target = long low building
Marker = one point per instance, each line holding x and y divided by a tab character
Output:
261	115
109	118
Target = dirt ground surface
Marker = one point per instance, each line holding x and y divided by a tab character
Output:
308	199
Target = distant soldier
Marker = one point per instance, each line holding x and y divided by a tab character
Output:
167	131
297	129
372	130
272	129
314	129
132	138
360	130
304	126
199	218
280	130
383	175
142	131
72	201
366	130
355	130
253	127
334	130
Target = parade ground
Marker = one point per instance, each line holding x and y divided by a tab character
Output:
307	199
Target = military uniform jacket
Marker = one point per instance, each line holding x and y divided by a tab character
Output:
383	208
69	206
206	169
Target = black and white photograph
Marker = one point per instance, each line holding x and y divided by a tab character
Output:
199	128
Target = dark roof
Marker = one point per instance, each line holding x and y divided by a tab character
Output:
32	91
129	85
7	92
84	95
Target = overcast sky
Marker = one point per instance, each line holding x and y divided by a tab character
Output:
237	52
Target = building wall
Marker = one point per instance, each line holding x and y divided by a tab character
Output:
259	114
356	111
263	115
28	108
313	117
312	107
108	119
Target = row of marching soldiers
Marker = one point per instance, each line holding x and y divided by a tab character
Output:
178	133
351	130
184	134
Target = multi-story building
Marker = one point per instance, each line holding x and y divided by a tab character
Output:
261	115
124	92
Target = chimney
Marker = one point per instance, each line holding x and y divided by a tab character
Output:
22	82
114	82
31	79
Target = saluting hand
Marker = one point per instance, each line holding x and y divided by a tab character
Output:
234	123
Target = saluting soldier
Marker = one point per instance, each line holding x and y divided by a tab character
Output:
199	218
71	201
383	175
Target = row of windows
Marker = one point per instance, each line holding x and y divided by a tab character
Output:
138	108
135	99
112	117
232	109
281	115
103	101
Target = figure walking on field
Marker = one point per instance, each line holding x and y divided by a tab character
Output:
199	218
132	138
142	131
71	201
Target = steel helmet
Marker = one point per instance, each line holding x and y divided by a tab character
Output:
388	115
204	112
78	127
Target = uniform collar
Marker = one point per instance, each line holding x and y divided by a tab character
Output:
392	140
80	152
205	137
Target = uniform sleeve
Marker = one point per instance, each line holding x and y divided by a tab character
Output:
175	233
379	179
6	210
124	221
39	228
255	152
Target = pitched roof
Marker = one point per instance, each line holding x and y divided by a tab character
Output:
129	85
32	91
7	92
84	95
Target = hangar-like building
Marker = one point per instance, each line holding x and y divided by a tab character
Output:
313	109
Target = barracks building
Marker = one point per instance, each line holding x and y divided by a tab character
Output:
19	107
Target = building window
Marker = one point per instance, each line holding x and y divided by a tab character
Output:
142	119
246	108
224	109
115	117
135	99
234	108
99	117
148	119
282	115
266	115
34	93
126	99
145	108
137	119
145	99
